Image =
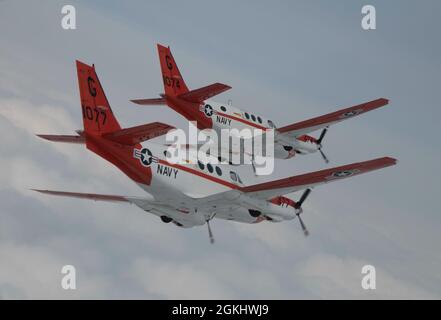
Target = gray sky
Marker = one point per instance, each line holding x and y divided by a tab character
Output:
289	60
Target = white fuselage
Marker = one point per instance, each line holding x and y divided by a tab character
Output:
178	188
228	117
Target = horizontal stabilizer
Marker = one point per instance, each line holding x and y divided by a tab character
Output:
204	93
62	138
89	196
138	134
149	102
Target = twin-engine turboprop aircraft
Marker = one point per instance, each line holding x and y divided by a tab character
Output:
194	105
193	193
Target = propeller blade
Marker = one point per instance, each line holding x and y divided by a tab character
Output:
323	155
322	135
210	234
302	198
305	231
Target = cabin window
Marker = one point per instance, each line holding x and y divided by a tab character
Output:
259	119
201	165
253	117
247	115
210	167
233	176
223	108
167	154
218	171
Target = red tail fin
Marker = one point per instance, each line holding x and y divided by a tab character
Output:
174	84
97	114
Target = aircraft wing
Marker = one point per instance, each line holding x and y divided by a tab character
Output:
271	189
147	204
307	126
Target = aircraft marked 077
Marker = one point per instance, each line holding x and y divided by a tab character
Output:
186	194
195	105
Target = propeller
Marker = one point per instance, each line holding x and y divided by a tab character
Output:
254	167
253	164
210	233
299	210
319	143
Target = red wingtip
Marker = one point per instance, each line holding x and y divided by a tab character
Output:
391	160
42	136
384	101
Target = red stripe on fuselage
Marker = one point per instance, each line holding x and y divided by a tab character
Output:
200	174
242	120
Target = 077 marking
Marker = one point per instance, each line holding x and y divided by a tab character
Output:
95	113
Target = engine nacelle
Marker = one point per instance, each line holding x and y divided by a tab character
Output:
274	211
283	151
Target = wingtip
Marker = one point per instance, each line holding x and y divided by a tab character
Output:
44	136
391	161
41	136
386	100
225	85
37	190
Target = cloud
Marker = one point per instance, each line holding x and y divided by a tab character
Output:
332	277
35	272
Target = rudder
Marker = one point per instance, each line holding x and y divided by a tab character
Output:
97	114
174	84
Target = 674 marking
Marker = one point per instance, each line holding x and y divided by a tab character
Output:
171	82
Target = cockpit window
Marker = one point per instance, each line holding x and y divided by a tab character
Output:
233	176
271	124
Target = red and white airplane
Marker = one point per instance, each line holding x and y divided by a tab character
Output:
195	106
186	194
